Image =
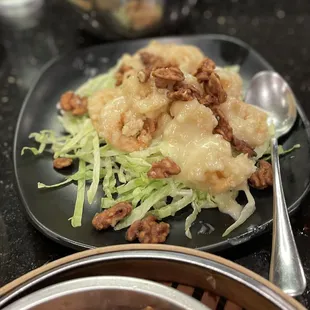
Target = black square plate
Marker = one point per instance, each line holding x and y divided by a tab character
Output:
49	210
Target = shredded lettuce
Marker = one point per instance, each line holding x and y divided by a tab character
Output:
139	212
172	208
76	219
191	219
246	212
281	151
233	68
44	137
72	124
41	185
98	83
109	180
77	139
96	170
202	200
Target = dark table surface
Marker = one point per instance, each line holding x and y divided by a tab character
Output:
278	29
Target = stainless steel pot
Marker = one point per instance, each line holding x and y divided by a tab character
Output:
107	293
115	19
211	279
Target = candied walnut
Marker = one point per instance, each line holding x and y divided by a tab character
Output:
61	162
133	230
208	100
163	169
223	128
214	88
69	101
110	217
215	93
148	231
151	62
79	106
184	92
262	177
167	77
65	100
243	147
205	69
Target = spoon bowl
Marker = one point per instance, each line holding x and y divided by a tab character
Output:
270	92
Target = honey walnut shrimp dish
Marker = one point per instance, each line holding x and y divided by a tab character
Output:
168	122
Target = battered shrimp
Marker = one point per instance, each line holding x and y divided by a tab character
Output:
123	128
126	116
248	123
162	122
145	98
98	100
231	82
205	159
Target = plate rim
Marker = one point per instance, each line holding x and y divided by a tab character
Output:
215	247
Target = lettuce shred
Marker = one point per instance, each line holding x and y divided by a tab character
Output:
123	177
281	151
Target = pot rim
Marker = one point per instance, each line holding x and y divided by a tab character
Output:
176	253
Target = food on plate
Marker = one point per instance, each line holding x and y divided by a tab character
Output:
148	230
165	129
262	177
110	217
60	163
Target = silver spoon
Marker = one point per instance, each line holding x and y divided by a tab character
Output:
269	91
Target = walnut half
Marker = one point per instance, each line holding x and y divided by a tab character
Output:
148	231
205	69
214	91
111	216
69	101
167	77
184	92
163	169
61	162
262	177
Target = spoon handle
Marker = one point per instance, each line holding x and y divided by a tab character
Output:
286	270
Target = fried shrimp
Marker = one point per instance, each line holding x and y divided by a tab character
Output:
248	122
122	115
205	159
123	128
98	100
145	98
